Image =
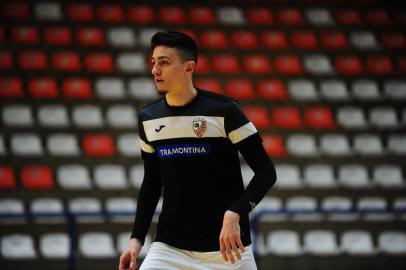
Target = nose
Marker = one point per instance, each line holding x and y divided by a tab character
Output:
155	70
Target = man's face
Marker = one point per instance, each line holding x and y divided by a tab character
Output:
168	69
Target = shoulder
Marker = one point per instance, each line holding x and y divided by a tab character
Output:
212	97
152	107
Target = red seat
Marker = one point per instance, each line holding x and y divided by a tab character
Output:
334	40
171	15
350	65
37	177
202	65
244	40
7	178
348	17
241	89
90	36
286	118
378	17
290	16
58	35
43	88
66	61
141	14
260	15
257	64
304	40
395	40
401	65
25	35
213	39
319	118
379	65
33	60
98	145
289	65
80	12
272	90
226	64
209	84
6	60
16	10
99	62
10	87
111	13
201	15
274	40
188	32
258	115
273	145
77	88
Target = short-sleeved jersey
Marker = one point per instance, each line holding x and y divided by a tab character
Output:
199	166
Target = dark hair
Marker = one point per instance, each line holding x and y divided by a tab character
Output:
184	44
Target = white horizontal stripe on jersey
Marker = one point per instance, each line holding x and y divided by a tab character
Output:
182	127
242	132
146	147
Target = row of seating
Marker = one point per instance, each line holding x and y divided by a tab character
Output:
227	14
274	39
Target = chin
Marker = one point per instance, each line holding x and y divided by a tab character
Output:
162	91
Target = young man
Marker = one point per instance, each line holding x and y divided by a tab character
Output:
190	140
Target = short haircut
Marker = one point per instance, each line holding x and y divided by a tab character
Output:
182	43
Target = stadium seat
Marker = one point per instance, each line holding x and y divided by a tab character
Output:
203	66
353	176
141	14
339	209
260	16
131	62
110	177
357	243
110	13
74	177
87	116
43	88
286	118
395	89
37	177
11	87
288	176
6	60
142	89
334	90
18	247
274	40
377	17
16	10
11	206
351	118
319	118
392	242
26	144
55	116
145	35
80	12
272	90
349	65
302	89
273	145
54	245
121	116
201	15
320	243
376	204
90	36
48	11
288	65
240	89
46	206
302	145
63	145
388	176
258	115
58	35
98	145
17	115
304	40
110	88
383	118
230	15
99	62
121	37
284	243
290	16
96	245
368	145
380	65
33	60
27	35
66	61
348	17
397	144
317	64
244	40
319	176
136	174
7	178
319	17
77	88
121	209
209	84
393	40
363	40
365	90
84	208
256	64
303	208
334	40
225	64
171	15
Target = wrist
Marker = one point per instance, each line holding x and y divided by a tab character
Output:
232	215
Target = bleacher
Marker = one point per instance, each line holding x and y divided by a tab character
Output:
323	81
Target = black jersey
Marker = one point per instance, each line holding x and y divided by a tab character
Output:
191	155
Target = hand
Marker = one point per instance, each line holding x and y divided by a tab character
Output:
230	239
128	260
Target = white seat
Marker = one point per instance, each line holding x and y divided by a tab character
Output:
357	243
368	145
131	62
55	245
17	115
3	150
302	89
121	116
87	116
46	206
11	206
395	89
319	176
302	145
74	177
388	176
383	117
48	11
121	205
364	40
321	243
353	176
351	118
365	90
397	144
339	209
137	175
375	205
61	144
334	90
288	176
110	88
145	35
303	208
86	208
143	89
274	207
128	146
399	205
319	17
121	37
230	16
122	243
318	64
392	242
53	116
27	144
335	145
96	245
110	177
18	246
284	243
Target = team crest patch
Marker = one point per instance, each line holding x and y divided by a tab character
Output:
199	127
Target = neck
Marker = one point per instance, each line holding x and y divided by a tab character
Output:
181	98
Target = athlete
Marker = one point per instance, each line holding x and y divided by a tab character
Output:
190	139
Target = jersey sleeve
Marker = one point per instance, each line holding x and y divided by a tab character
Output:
237	126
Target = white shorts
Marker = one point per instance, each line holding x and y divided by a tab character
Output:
164	257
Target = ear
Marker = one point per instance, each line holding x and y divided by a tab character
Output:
190	67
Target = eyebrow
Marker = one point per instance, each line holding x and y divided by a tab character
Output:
160	57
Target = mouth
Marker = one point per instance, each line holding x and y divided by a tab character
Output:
159	81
